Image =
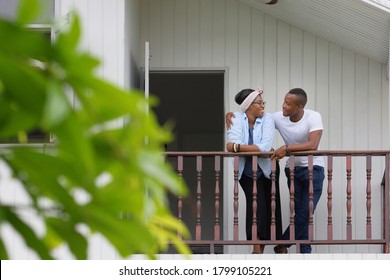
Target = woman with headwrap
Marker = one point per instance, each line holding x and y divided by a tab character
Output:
253	130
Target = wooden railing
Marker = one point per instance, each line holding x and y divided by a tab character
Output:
348	180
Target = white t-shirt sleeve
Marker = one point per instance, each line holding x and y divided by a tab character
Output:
315	121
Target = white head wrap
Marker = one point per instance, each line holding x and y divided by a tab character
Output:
249	99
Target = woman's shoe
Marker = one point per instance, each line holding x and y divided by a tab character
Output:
280	249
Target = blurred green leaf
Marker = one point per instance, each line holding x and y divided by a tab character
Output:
66	231
28	235
3	251
100	173
28	10
57	106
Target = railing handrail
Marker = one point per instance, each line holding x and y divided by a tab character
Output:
304	153
384	239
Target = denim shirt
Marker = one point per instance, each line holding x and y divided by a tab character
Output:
263	137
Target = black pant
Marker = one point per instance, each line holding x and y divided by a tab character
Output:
263	212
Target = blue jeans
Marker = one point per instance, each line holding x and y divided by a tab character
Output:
301	201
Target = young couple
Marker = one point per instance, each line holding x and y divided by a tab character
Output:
253	130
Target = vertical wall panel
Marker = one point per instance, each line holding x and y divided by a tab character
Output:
348	99
296	57
218	52
244	46
270	50
231	41
283	62
168	35
155	32
309	68
180	42
193	34
257	49
206	32
144	29
322	87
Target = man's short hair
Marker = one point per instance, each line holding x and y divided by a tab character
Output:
301	94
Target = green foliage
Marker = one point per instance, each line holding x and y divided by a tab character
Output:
108	149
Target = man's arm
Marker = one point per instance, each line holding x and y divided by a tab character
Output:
312	144
228	120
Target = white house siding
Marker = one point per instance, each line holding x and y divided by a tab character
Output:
348	89
114	39
103	31
110	32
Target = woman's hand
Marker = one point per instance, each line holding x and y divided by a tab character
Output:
229	146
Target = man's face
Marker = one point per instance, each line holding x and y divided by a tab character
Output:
290	107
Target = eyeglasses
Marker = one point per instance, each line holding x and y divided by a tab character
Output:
261	103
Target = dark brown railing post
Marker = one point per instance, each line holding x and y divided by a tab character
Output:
292	202
386	205
180	198
217	231
198	232
349	196
235	199
311	193
273	199
254	198
368	196
330	194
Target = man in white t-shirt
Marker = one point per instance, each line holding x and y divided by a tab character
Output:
301	130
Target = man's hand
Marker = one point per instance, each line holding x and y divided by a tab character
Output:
228	120
279	153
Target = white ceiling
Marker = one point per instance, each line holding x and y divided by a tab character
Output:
360	25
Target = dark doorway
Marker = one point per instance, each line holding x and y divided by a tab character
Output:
194	103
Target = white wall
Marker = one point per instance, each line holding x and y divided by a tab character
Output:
110	32
348	89
103	33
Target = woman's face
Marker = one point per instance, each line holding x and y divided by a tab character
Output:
258	106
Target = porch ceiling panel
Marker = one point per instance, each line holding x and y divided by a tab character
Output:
354	24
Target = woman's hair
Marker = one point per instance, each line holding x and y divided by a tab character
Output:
240	97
